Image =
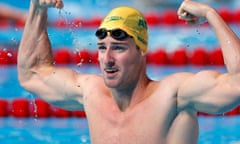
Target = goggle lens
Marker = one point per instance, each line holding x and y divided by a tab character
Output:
117	34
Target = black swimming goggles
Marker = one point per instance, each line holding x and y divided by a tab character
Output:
117	34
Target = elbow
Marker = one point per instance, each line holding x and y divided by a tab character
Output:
24	80
21	80
23	83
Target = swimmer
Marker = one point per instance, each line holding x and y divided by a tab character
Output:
123	105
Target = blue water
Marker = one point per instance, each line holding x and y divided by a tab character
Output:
44	131
213	130
159	37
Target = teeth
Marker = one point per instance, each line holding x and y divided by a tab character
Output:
111	70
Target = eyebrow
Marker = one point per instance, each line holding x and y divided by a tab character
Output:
100	43
113	43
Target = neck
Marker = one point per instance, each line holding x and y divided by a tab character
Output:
131	95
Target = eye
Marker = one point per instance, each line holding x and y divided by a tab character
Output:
101	48
119	48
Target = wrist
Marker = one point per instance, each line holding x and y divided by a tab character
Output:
211	15
37	8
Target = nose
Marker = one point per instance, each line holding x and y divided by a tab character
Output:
107	58
110	64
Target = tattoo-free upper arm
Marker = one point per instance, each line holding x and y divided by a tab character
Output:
210	92
57	85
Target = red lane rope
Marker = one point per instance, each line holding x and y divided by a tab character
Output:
154	18
199	56
38	108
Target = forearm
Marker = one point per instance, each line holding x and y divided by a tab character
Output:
229	42
35	48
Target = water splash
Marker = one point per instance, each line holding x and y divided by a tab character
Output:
9	54
34	105
72	31
84	138
80	63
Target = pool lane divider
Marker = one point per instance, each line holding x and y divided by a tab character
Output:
38	108
199	56
167	17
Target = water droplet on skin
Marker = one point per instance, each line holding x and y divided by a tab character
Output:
228	41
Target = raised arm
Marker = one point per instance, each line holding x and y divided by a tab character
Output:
210	91
36	71
194	12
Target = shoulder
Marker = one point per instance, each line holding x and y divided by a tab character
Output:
90	79
169	85
182	77
92	82
177	78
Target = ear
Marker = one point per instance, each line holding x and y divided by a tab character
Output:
143	53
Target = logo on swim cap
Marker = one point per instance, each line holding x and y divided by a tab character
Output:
131	21
114	18
142	23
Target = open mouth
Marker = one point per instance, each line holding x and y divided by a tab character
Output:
111	70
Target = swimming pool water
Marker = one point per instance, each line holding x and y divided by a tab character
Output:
213	130
44	131
219	130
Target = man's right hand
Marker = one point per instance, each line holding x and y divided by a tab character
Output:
48	3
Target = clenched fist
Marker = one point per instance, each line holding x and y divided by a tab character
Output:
48	3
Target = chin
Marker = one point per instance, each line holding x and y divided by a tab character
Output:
111	84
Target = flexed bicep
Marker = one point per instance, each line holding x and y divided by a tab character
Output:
57	86
210	92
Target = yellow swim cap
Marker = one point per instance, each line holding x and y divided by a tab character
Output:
129	20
